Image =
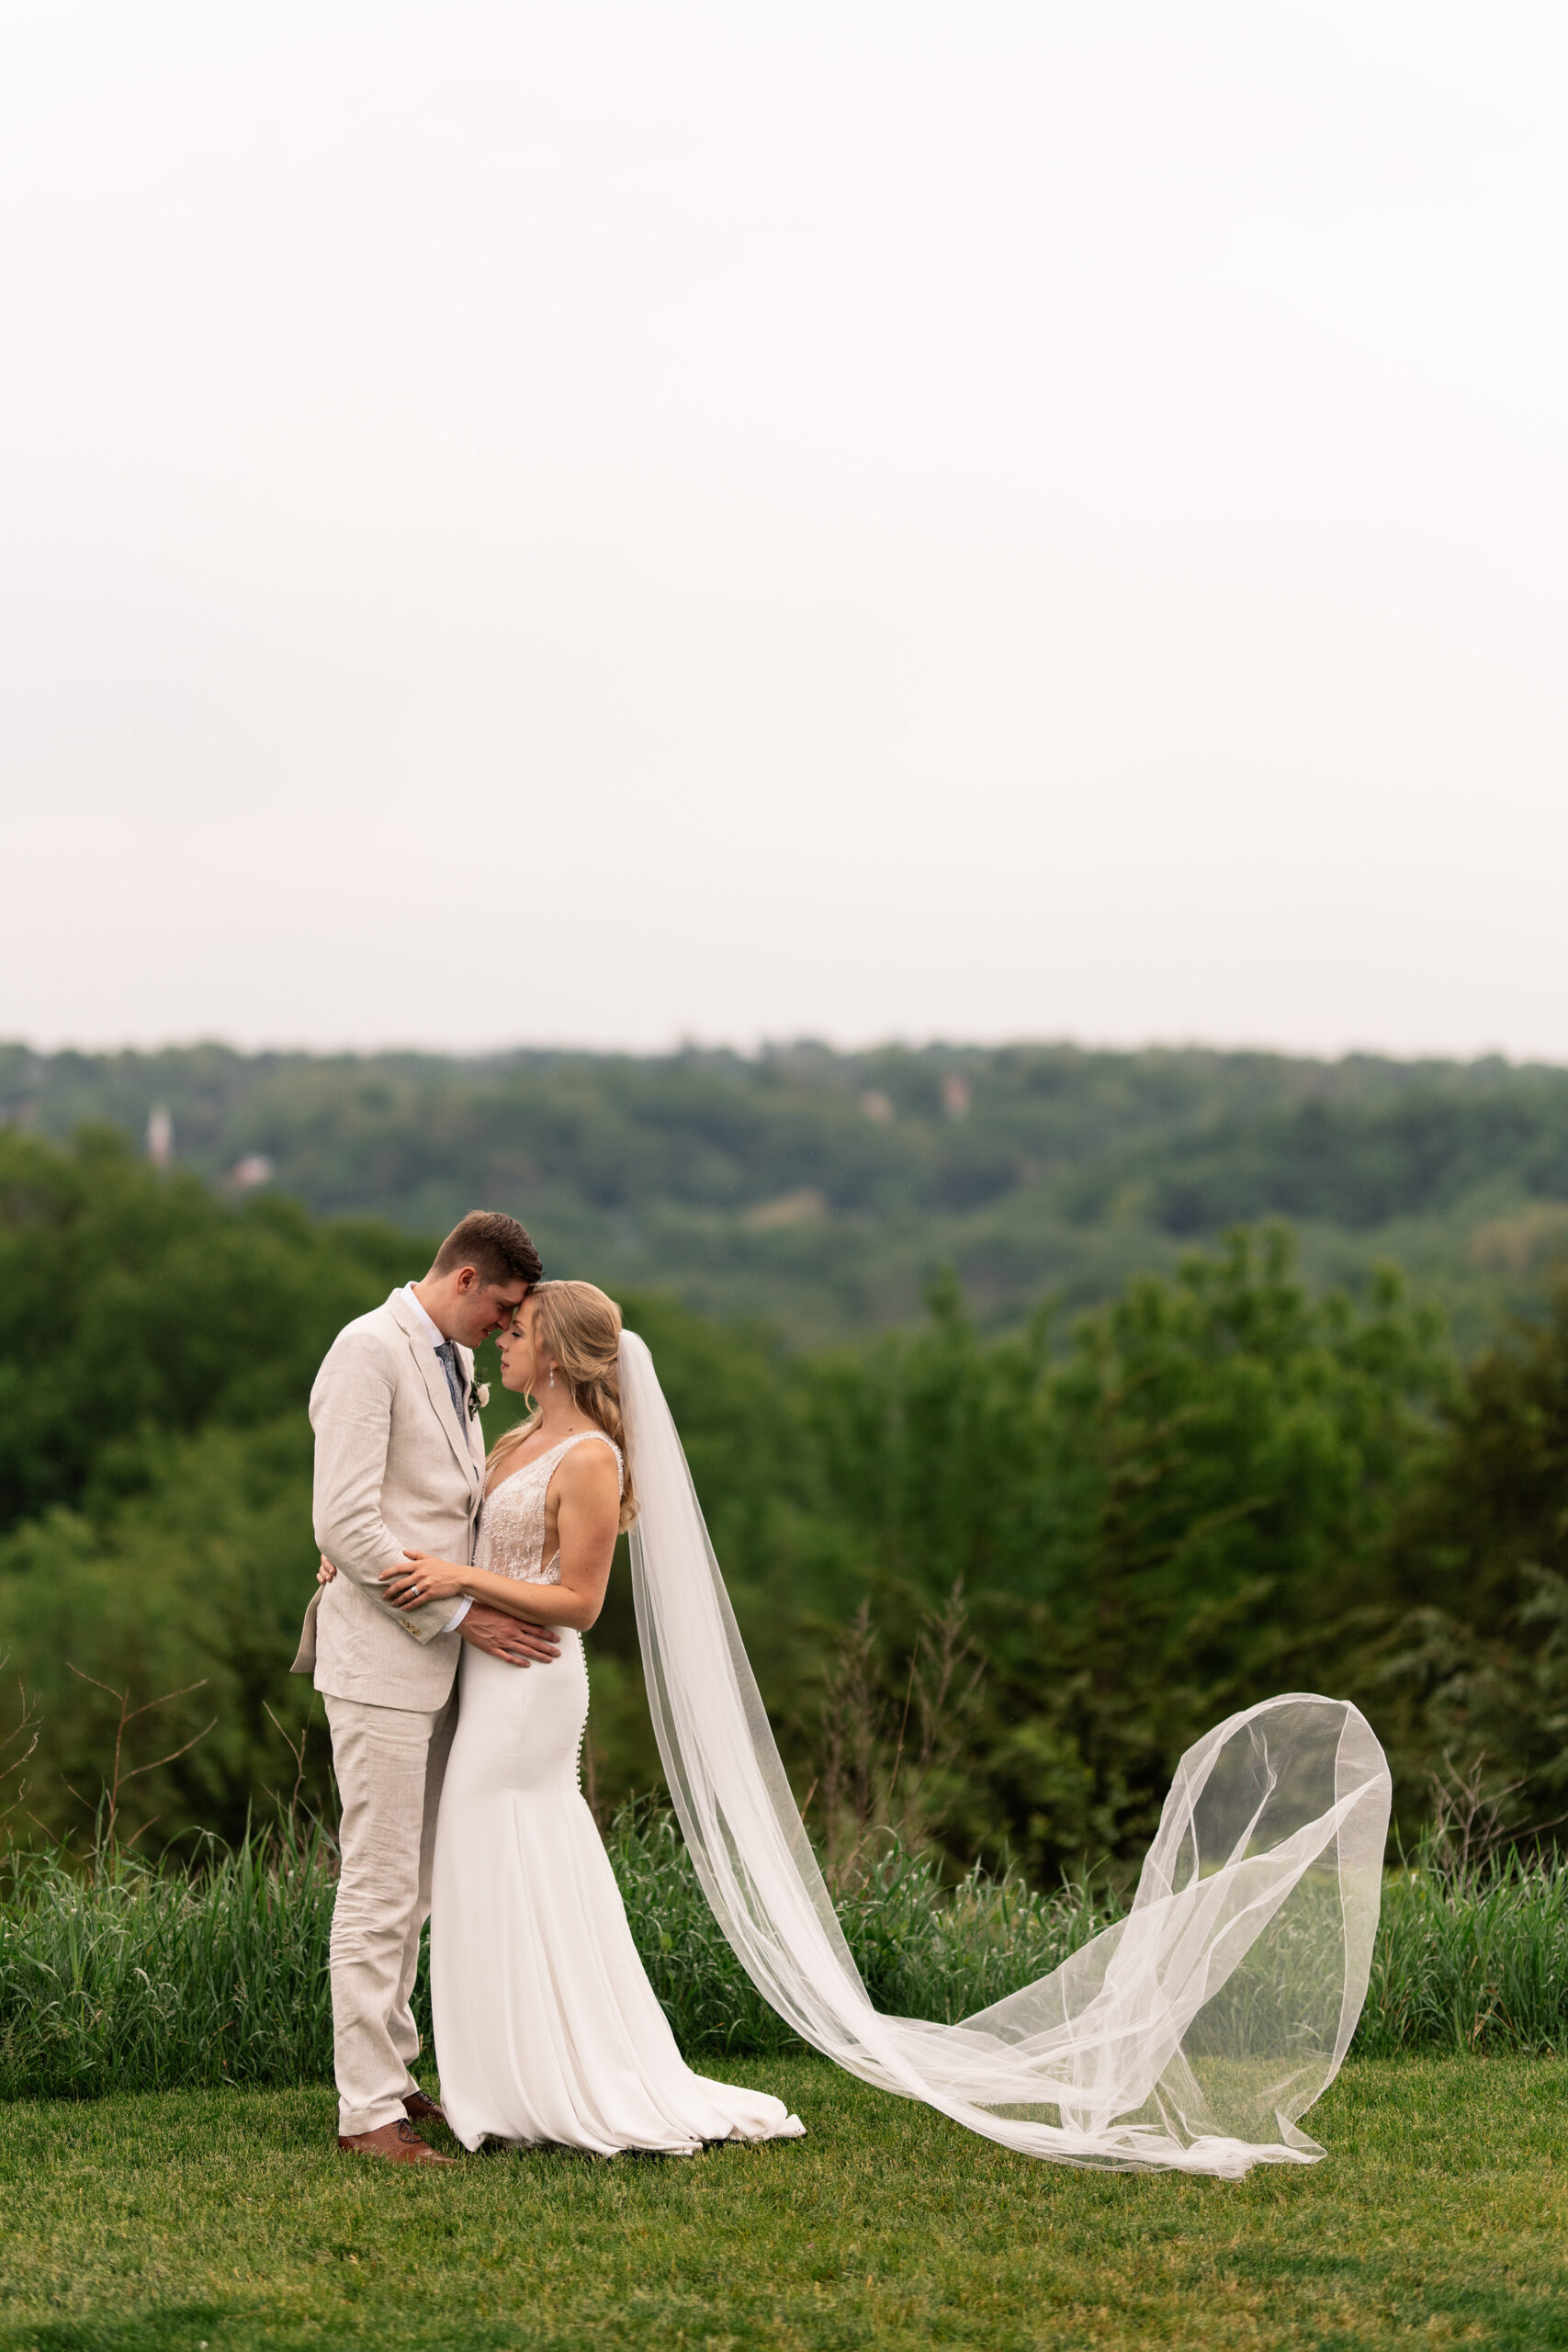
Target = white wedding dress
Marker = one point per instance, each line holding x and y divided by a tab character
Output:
546	2028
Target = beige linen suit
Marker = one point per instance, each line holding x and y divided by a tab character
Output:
396	1465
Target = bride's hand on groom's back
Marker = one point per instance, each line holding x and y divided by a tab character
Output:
508	1638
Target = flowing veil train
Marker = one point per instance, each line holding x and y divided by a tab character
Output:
1191	2036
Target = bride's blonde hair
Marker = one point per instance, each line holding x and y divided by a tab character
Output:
581	1329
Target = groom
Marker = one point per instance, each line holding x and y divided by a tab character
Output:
400	1460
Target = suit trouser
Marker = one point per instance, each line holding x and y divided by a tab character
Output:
390	1763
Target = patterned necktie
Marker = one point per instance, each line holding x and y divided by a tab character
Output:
448	1352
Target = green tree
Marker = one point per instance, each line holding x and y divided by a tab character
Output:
1474	1667
200	1577
1185	1513
135	1304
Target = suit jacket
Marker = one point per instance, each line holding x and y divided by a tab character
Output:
393	1467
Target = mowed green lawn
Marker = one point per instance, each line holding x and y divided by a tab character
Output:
224	2219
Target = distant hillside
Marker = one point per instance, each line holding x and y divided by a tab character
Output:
821	1191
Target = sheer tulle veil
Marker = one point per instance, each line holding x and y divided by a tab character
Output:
1191	2036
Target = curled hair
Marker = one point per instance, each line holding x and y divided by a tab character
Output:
581	1329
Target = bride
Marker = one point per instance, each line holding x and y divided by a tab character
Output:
1191	2036
547	2028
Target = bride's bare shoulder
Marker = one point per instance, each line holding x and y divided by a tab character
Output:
587	1470
595	1458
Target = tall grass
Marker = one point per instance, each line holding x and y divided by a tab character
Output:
1472	1958
131	1976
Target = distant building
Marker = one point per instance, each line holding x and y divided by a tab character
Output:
160	1136
955	1094
878	1106
791	1208
247	1173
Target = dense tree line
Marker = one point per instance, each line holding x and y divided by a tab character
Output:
992	1583
822	1191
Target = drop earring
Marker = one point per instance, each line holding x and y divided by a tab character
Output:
552	1375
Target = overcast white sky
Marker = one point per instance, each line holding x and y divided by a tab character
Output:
600	523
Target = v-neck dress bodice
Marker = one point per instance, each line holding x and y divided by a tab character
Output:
511	1525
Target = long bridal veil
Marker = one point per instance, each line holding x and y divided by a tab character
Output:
1190	2035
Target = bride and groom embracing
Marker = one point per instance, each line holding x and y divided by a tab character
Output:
444	1580
445	1638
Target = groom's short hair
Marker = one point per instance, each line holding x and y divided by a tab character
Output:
495	1246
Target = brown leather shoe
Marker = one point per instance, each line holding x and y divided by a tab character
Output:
419	2110
395	2143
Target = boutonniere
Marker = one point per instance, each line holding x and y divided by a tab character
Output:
478	1397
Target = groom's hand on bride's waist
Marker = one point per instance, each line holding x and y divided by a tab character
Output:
499	1636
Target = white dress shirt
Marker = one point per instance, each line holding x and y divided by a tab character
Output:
437	1339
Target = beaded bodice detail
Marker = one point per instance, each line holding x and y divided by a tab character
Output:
511	1526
